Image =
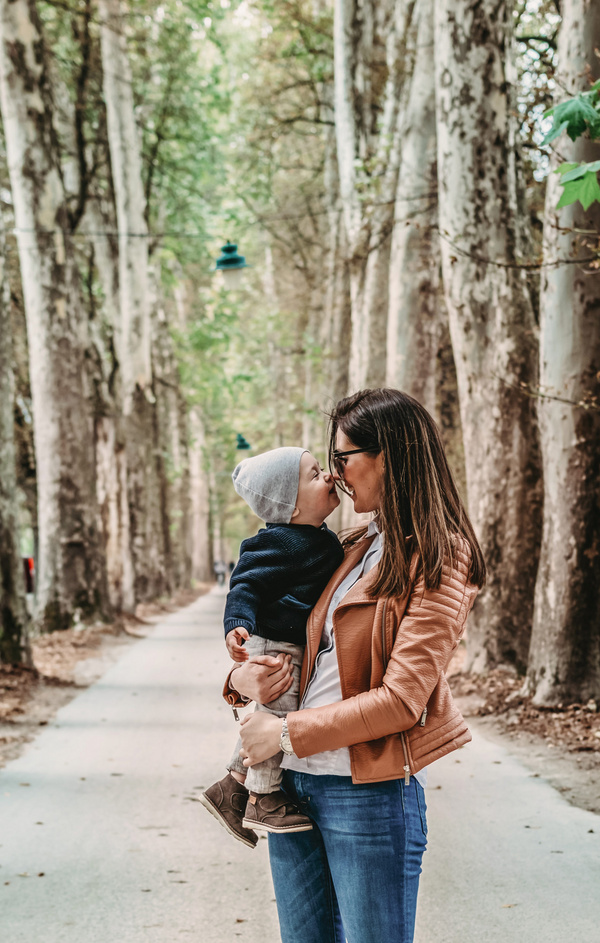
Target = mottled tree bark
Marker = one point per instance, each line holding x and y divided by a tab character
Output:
369	52
419	350
146	483
70	568
564	663
199	486
416	306
111	458
134	331
14	619
173	436
490	314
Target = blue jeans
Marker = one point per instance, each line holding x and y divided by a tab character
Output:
355	876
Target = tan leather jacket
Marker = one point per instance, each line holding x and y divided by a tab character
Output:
398	721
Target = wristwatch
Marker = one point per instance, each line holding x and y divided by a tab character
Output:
285	743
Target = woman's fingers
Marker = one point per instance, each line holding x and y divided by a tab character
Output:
279	687
282	677
278	680
260	733
263	678
271	661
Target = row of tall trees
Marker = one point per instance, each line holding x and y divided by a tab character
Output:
111	432
455	278
382	163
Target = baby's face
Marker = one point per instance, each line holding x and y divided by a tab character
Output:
317	495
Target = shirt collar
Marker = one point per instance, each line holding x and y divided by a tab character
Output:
373	528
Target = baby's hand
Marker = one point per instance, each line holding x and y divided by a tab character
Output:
235	643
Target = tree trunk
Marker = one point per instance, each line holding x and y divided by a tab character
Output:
14	619
111	458
416	306
564	662
419	351
133	336
145	473
70	570
114	513
173	447
490	314
369	75
200	498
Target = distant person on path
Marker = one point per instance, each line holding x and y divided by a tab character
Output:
375	705
280	575
220	569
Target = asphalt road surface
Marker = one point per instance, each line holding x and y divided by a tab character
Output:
101	840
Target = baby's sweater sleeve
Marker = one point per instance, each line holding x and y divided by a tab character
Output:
261	573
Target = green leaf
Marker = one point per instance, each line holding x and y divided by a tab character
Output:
572	116
554	132
566	168
568	173
585	189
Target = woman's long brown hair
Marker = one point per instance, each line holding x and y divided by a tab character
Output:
420	499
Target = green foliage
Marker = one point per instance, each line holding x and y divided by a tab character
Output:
580	182
577	116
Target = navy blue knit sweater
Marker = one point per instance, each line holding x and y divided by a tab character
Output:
281	573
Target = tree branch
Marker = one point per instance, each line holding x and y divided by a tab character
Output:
536	393
527	266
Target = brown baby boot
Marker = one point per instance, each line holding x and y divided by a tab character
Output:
274	812
226	801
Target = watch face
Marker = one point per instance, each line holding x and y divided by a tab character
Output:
285	743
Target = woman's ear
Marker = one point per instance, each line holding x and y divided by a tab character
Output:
295	513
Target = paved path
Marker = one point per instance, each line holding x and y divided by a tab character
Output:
100	844
125	856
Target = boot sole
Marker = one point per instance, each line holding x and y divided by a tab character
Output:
210	807
276	829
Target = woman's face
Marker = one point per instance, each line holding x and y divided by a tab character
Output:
362	475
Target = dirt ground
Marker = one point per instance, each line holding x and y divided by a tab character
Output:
560	744
64	663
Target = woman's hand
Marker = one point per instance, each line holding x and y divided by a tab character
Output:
263	677
260	734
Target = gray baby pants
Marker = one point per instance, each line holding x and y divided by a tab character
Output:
266	777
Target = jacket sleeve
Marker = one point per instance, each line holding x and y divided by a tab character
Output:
428	633
258	576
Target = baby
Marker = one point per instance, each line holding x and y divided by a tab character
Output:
281	573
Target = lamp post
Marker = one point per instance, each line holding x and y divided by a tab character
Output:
231	265
242	444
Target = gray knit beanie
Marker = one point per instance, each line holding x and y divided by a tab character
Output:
268	483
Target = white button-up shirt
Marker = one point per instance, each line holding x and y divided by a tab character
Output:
324	684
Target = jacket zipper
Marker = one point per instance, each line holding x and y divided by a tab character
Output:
406	766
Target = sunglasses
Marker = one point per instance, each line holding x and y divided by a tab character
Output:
339	459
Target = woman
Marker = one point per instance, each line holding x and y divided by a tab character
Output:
376	708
